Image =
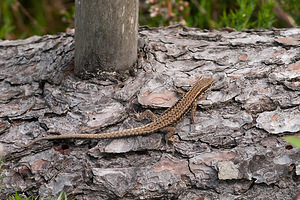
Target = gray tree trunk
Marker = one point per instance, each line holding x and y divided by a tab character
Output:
105	36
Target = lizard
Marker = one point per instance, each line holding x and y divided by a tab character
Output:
170	117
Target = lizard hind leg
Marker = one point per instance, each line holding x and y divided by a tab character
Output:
146	114
170	137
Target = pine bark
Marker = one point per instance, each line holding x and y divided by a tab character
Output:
235	150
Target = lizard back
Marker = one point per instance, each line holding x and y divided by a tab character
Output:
181	107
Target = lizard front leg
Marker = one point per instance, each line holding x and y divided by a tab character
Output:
194	108
193	111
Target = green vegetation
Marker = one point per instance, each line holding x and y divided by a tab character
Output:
62	196
242	17
20	197
294	140
6	19
23	18
238	14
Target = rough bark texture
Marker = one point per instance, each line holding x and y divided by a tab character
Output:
235	150
106	36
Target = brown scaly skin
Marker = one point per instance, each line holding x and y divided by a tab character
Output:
167	119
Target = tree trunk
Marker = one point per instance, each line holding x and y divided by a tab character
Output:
105	36
234	150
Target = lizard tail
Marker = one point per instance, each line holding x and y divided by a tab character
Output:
109	135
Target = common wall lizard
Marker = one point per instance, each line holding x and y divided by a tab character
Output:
164	122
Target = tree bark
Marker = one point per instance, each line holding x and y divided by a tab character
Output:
106	36
235	150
